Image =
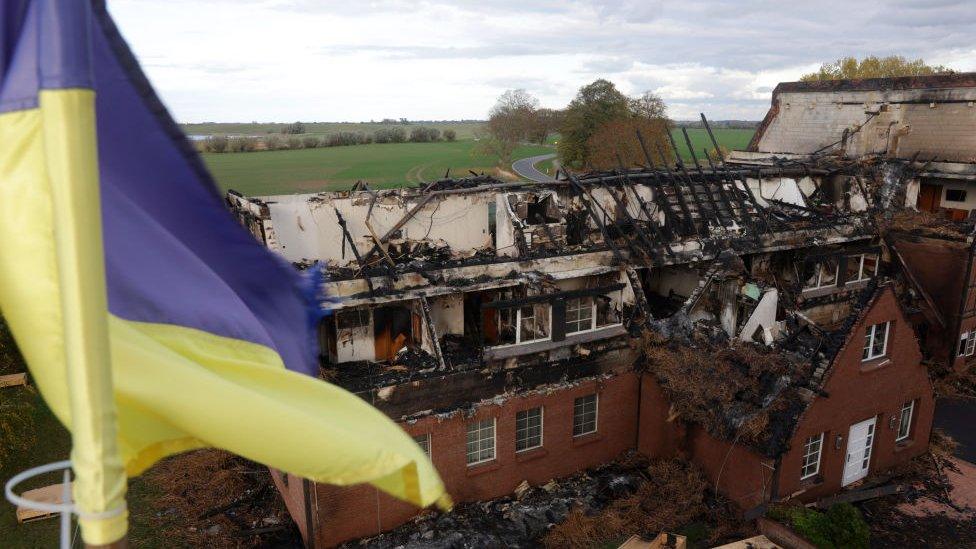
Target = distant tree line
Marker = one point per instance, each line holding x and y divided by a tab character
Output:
274	142
874	67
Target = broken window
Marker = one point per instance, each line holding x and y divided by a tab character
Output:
424	442
584	415
876	341
905	421
528	429
861	267
811	456
967	343
541	210
481	441
394	329
821	274
607	314
533	322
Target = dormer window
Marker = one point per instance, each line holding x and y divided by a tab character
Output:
876	341
861	267
822	274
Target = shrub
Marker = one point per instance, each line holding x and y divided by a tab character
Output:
450	135
216	143
294	143
296	128
840	526
398	135
242	144
424	134
310	142
272	142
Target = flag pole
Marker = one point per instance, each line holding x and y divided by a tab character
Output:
72	163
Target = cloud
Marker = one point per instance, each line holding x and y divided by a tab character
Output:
332	60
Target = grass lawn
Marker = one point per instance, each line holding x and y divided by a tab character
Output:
733	139
337	168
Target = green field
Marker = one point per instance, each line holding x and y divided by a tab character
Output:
337	168
733	139
465	130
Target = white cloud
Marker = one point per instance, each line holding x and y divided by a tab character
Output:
434	59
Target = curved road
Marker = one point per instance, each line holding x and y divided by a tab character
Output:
526	167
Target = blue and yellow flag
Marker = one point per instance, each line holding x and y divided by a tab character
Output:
208	333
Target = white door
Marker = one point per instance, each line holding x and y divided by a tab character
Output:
859	443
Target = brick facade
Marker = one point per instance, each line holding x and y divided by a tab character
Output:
344	513
633	412
854	391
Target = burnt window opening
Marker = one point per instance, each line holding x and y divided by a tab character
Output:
821	274
861	267
541	210
394	327
667	289
955	195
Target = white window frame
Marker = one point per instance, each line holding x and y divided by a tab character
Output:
596	415
860	269
902	423
869	338
542	414
967	343
424	442
494	441
592	315
820	277
518	324
807	454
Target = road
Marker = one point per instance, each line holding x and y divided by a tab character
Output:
526	167
957	418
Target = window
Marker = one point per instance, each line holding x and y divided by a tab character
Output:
955	195
905	421
822	274
528	429
424	442
606	313
876	341
861	267
811	456
524	323
481	441
584	415
579	314
967	343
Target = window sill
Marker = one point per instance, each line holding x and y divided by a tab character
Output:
519	349
811	482
902	445
588	438
530	455
482	468
874	364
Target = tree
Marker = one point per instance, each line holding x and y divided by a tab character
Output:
310	142
510	122
648	106
272	142
544	123
619	137
594	105
450	135
423	134
491	145
874	67
294	143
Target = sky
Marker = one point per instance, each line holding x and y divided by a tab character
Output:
360	60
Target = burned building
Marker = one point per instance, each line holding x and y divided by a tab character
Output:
757	314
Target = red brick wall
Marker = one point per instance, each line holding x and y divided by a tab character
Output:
858	391
658	437
290	488
353	512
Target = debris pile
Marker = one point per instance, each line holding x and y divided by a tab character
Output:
210	498
746	392
600	505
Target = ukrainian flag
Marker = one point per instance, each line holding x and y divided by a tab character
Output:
117	249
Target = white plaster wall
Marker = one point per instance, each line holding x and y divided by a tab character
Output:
447	313
356	343
765	316
970	189
504	230
308	229
784	189
682	281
